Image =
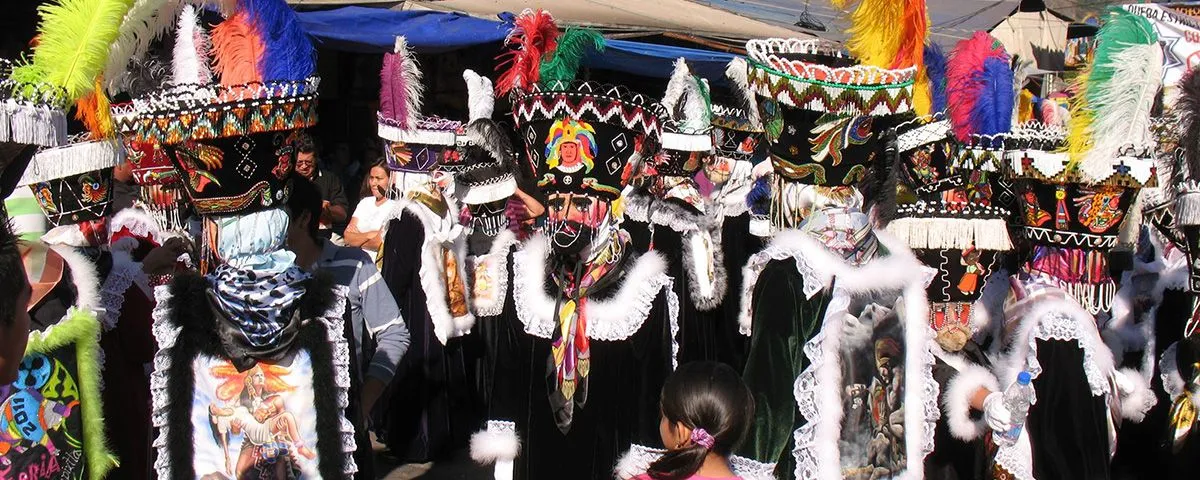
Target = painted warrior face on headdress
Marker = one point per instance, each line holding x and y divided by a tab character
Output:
571	146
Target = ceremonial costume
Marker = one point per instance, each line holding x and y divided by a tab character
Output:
665	213
737	145
946	213
840	357
422	263
1179	363
53	424
251	375
591	322
1072	207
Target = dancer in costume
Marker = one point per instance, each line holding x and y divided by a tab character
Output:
422	263
945	212
840	357
1071	209
231	129
665	212
1180	361
593	320
737	144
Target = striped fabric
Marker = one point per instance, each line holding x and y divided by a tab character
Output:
27	218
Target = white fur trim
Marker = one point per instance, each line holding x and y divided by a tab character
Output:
432	270
956	402
642	207
498	441
1135	404
702	249
1057	319
610	319
498	271
899	273
819	267
636	461
83	277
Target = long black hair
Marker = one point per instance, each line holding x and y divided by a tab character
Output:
706	395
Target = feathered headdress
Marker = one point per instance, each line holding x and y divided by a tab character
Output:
687	101
145	22
1187	106
534	34
979	87
887	33
562	63
1111	110
738	74
192	45
929	92
400	87
73	41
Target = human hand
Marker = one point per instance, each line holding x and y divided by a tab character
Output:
998	418
161	260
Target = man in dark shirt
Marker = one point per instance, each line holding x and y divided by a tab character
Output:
334	206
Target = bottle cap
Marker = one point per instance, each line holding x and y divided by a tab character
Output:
1023	378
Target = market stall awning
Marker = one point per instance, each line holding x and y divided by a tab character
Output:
653	16
360	29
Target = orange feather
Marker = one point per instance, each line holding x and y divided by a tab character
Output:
93	111
237	49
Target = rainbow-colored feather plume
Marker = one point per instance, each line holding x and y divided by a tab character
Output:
74	37
1111	108
534	34
979	90
887	33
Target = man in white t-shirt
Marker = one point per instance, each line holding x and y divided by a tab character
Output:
369	215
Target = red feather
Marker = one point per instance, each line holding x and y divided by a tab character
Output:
533	36
964	83
237	49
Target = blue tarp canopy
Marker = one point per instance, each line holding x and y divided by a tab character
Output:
361	29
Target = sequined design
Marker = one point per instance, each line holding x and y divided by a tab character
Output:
92	190
1099	208
196	160
833	134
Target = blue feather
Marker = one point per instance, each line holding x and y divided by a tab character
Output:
935	68
288	52
759	197
993	111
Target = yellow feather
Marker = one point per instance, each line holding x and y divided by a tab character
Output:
73	44
922	98
1079	132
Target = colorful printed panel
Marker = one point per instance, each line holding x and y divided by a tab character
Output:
259	423
872	442
45	430
1072	215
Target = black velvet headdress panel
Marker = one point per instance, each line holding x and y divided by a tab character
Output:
238	175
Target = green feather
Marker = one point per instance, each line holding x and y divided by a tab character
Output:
74	38
1120	30
563	64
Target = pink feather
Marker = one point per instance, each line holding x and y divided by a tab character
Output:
393	103
963	82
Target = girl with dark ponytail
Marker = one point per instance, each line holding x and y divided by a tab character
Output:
706	412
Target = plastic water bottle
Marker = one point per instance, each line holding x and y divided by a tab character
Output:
1017	398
